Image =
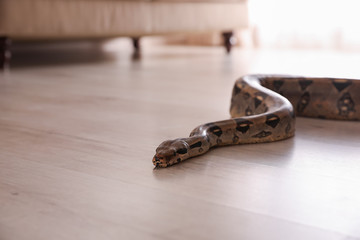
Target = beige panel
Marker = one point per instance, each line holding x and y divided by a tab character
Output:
177	1
202	17
98	18
202	1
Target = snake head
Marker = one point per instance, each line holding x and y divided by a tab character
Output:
170	152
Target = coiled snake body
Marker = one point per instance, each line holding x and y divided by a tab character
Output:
263	109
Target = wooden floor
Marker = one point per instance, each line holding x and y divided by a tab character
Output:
79	127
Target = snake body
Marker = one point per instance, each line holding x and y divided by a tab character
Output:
263	109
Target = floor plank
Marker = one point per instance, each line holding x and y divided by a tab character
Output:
76	142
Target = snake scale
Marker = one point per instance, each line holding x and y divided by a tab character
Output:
263	109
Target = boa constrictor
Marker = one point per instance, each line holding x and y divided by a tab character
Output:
263	109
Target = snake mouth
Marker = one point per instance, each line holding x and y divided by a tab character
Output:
159	161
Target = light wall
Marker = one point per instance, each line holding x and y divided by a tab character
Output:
306	23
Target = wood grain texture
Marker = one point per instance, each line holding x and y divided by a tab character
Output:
76	143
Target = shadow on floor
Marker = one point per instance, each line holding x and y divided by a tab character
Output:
35	54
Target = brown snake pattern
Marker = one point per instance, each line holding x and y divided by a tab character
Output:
263	109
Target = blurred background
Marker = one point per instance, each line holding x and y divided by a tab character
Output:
305	24
43	25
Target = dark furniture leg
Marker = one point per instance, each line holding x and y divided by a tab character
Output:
229	40
5	53
137	48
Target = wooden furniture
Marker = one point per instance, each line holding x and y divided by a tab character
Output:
64	19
